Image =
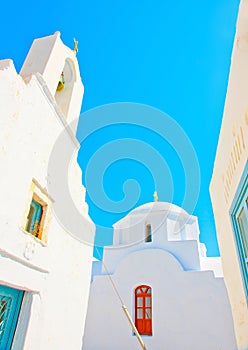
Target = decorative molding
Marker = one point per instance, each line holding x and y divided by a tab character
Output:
4	253
43	190
237	148
29	250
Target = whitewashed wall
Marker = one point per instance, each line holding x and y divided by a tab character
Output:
55	275
230	162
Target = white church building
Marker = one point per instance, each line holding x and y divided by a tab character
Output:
159	272
45	268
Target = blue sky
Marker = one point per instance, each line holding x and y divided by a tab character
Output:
171	55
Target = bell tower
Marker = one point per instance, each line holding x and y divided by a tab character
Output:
58	66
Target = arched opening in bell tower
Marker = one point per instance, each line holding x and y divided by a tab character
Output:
65	86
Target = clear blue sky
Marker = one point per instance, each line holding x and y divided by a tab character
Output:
172	55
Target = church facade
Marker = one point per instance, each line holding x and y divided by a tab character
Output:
158	270
45	268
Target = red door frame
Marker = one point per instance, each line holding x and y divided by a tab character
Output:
143	309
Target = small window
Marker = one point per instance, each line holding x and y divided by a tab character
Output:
34	219
143	310
239	217
148	237
37	212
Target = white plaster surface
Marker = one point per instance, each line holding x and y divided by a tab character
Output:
231	159
49	57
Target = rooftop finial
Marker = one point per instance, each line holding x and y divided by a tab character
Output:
75	49
155	196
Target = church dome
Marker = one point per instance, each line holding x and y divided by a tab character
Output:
158	206
145	210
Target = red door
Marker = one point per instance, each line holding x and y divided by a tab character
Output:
143	310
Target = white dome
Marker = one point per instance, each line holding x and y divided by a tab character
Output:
157	206
153	207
